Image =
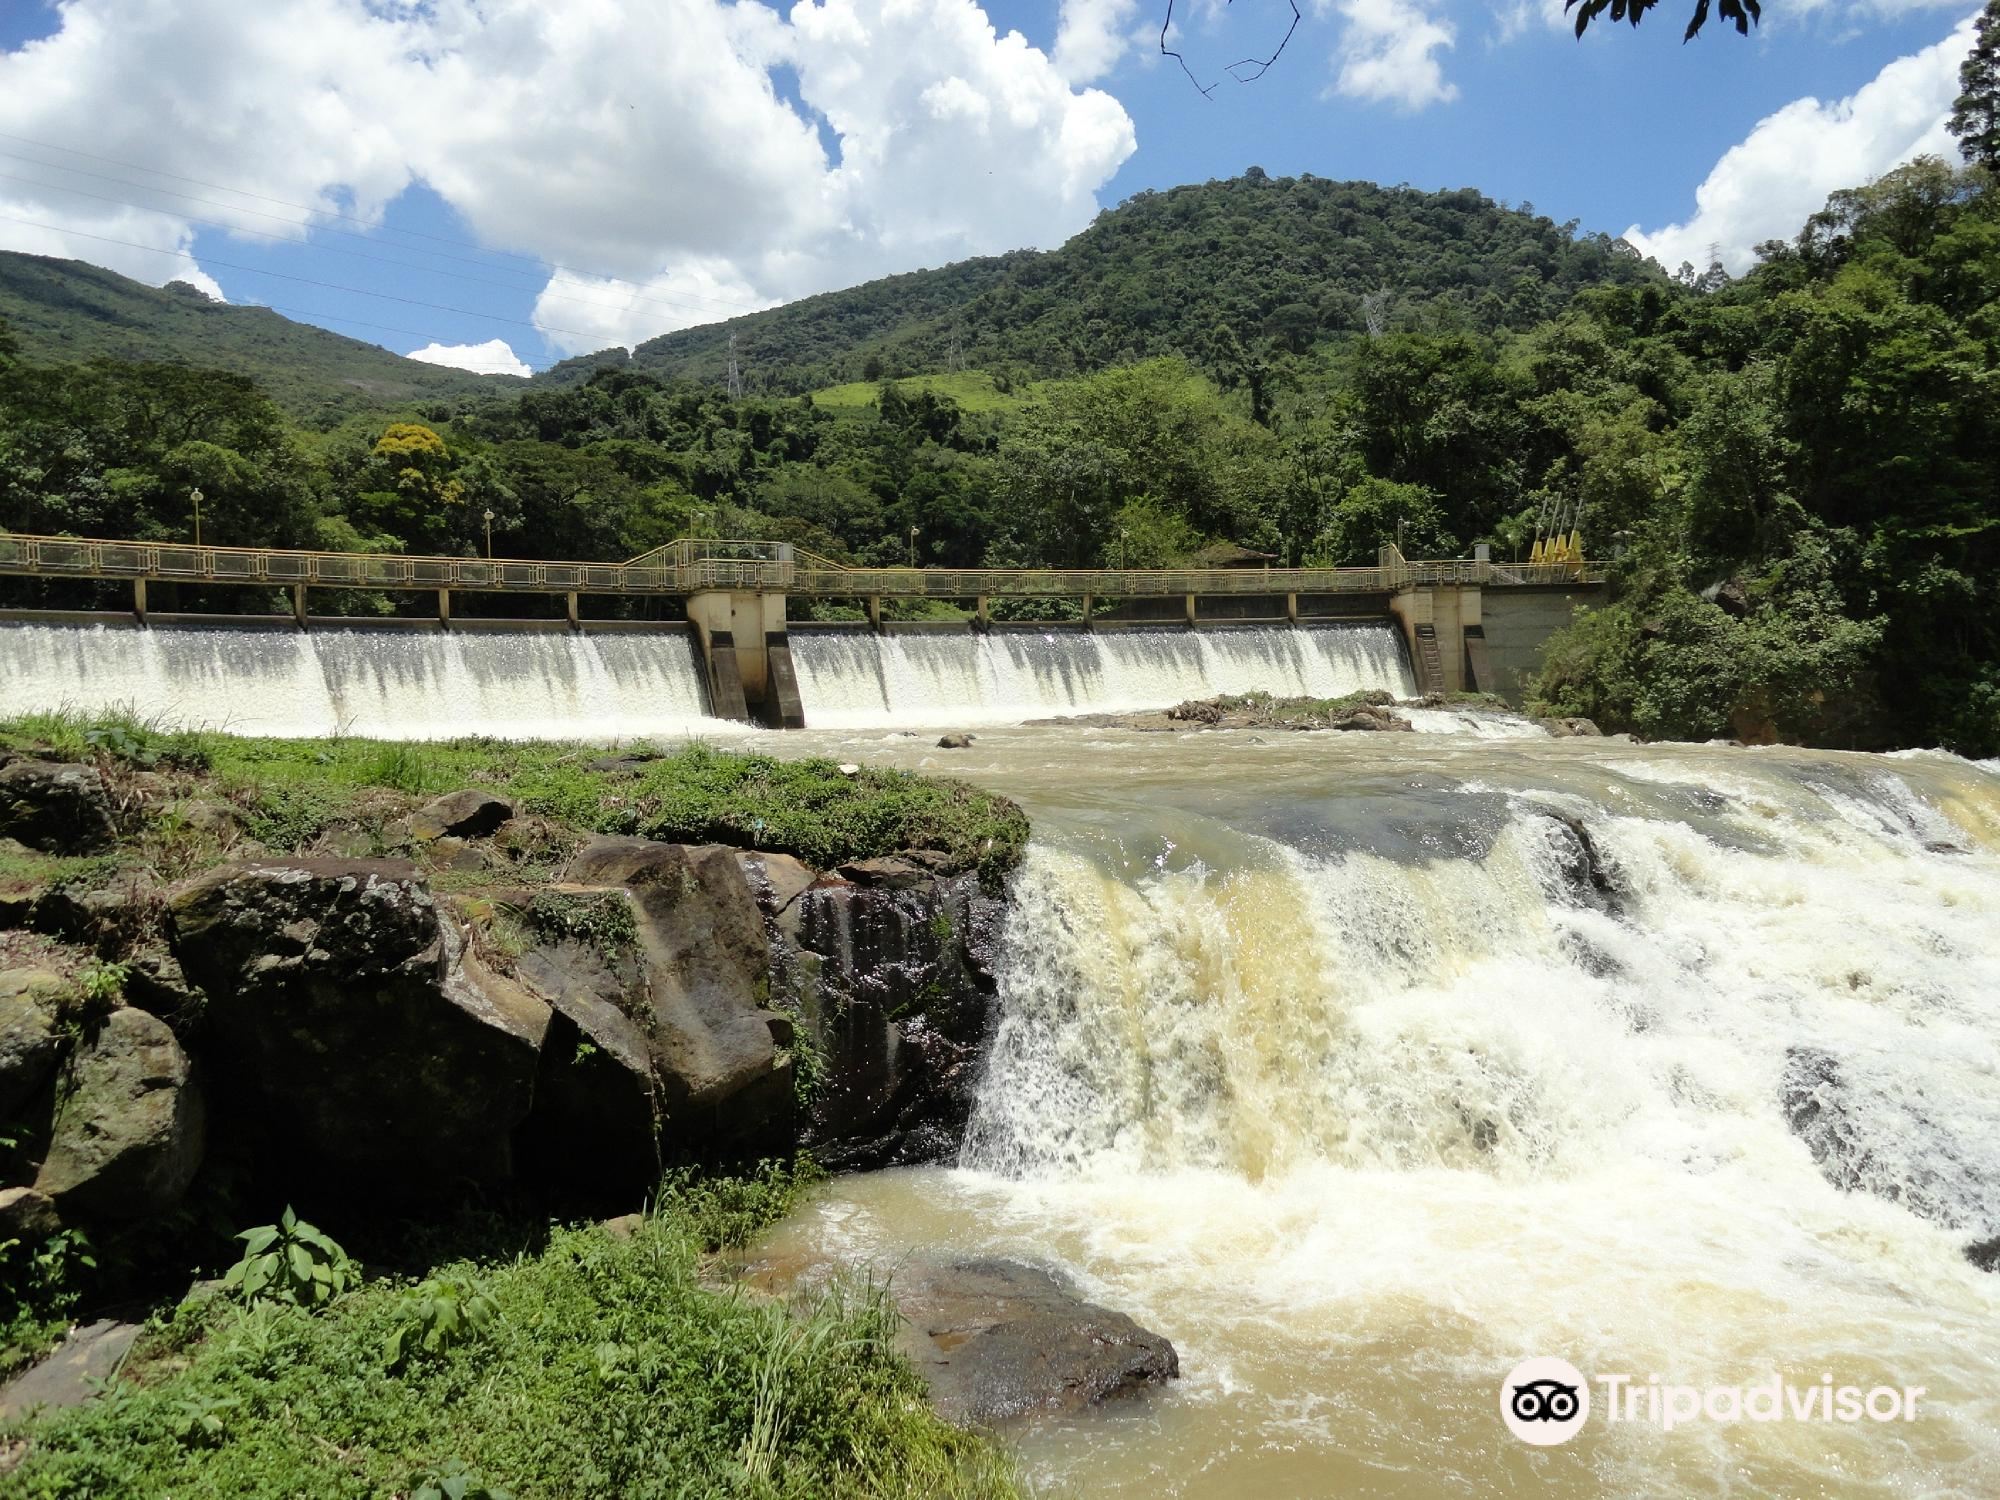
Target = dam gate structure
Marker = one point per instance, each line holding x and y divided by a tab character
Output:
1458	624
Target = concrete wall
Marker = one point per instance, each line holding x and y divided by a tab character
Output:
1519	621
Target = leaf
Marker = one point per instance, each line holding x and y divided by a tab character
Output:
258	1239
288	1220
301	1262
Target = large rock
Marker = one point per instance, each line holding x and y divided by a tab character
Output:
724	1079
56	807
76	1372
892	973
994	1339
30	1044
27	1215
596	1127
128	1132
350	1020
1921	1131
469	814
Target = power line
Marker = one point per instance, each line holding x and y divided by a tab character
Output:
385	260
331	286
572	271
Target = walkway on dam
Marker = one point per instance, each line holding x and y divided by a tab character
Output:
698	566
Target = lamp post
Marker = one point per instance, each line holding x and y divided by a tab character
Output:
913	546
194	495
489	536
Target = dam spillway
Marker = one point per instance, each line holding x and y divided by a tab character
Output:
920	679
513	681
388	683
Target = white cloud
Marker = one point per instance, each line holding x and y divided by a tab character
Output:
1388	54
1091	35
494	357
1767	185
646	140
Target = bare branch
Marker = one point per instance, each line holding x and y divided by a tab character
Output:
1165	50
1265	66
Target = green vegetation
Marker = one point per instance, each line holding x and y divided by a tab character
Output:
292	793
72	311
597	1364
1224	274
1799	466
971	391
290	1261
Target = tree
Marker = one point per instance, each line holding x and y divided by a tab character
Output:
1975	118
1742	13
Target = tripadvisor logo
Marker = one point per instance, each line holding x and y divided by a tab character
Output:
1545	1401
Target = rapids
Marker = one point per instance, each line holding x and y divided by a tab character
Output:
1366	1066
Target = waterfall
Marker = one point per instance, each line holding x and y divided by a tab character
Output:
1364	1071
851	679
389	683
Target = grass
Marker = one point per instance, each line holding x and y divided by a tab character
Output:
973	390
608	1368
291	793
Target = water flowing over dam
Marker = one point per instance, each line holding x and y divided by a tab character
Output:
1365	1071
386	683
529	683
853	679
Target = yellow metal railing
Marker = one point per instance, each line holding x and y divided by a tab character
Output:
695	566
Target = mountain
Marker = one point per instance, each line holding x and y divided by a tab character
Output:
65	310
1216	271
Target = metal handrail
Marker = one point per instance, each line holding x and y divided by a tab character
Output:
695	566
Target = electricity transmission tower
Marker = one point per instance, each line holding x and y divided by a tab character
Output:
735	372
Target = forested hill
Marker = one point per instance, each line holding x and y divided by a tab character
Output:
1215	271
65	310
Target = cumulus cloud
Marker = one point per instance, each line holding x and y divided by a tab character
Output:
1768	184
1388	54
494	357
647	140
1091	35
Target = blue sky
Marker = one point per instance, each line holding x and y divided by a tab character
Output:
502	177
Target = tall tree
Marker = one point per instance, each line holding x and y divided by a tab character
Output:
1975	118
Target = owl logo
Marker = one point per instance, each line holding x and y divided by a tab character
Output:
1544	1401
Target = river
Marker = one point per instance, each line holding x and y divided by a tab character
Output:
1347	1064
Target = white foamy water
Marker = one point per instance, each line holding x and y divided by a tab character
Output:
1478	723
401	684
1334	1063
854	679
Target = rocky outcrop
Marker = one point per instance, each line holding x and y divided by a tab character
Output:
996	1339
891	967
30	1045
56	807
341	1004
1872	1126
724	1079
650	1003
467	815
128	1130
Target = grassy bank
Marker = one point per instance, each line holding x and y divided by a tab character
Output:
600	1364
292	794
